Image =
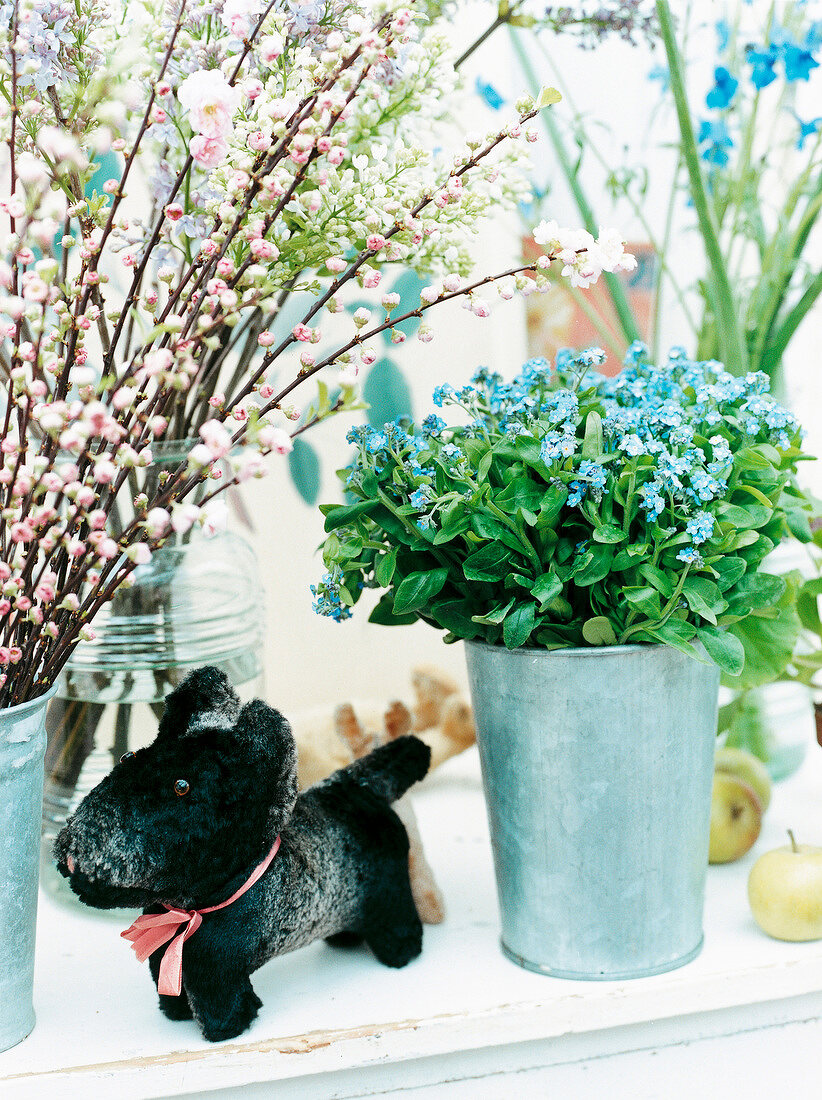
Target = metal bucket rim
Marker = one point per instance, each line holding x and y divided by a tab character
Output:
578	651
21	709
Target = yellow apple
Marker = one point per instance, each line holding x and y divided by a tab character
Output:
785	892
747	767
736	818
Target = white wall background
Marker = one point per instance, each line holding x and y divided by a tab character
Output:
310	660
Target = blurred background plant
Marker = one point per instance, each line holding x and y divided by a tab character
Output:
746	186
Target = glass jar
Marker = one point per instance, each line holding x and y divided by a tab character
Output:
198	601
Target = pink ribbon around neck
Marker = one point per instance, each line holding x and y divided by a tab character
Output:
152	930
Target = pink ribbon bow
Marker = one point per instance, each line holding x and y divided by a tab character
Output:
150	931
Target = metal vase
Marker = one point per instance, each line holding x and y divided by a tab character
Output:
22	751
597	766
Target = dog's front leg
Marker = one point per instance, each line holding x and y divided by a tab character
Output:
175	1008
223	1002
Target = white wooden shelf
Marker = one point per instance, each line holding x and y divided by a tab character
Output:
335	1023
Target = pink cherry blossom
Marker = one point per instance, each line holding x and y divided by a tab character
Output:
210	101
208	151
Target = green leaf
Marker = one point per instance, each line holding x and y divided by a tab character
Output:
598	568
598	631
552	501
730	570
546	588
384	615
768	637
645	599
518	625
521	493
592	444
495	617
798	524
304	467
489	563
454	615
419	589
754	590
387	393
609	532
343	514
656	577
723	648
704	598
807	605
384	569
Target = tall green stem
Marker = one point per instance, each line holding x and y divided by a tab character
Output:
730	336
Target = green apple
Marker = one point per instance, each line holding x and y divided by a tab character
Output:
785	892
747	767
736	818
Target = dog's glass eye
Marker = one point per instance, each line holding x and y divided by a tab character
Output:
181	787
126	757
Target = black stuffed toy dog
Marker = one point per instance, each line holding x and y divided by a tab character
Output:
204	830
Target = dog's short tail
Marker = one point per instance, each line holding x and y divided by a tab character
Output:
391	769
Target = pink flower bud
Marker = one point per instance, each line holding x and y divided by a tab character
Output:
266	339
174	211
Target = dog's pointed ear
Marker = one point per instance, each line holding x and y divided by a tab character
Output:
265	736
204	700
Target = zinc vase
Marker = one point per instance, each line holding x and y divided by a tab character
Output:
22	746
597	766
198	601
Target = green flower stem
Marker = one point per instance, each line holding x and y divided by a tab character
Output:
774	354
731	340
533	556
766	317
615	288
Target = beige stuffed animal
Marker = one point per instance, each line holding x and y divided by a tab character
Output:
439	716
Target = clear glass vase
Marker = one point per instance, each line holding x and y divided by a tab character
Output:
198	601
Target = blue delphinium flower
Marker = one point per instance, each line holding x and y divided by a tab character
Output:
807	130
724	89
489	93
762	66
723	35
798	63
715	139
700	527
662	74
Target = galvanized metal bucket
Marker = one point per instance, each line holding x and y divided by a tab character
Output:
597	766
22	751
